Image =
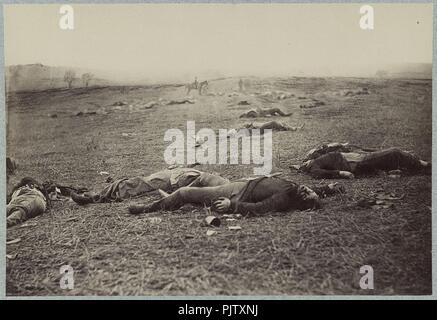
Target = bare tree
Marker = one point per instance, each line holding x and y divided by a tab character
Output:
14	75
69	77
86	78
381	74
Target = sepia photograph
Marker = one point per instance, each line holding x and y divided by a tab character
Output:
232	149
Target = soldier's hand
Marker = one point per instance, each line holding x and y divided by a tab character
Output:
347	174
336	187
222	204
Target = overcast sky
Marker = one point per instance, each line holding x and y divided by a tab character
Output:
161	40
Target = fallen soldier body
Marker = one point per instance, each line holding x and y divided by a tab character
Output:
11	166
167	180
335	146
272	125
27	200
255	113
314	104
344	161
256	196
356	92
180	101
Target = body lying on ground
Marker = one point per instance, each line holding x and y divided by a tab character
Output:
27	200
167	180
256	196
314	104
255	113
335	146
273	125
344	161
180	101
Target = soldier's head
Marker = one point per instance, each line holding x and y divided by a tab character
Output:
30	182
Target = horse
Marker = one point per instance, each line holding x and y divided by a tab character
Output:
202	85
191	86
196	86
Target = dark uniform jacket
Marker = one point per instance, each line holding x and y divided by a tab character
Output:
267	194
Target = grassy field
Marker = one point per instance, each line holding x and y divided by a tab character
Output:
294	253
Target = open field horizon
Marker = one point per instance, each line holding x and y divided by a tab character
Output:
38	77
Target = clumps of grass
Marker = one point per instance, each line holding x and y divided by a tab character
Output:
312	252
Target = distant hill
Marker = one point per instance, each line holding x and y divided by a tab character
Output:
40	77
407	70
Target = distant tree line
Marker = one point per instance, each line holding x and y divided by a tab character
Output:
70	77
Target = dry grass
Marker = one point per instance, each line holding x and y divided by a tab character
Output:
317	252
